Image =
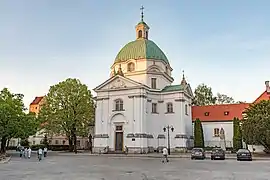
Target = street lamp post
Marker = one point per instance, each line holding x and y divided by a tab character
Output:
168	128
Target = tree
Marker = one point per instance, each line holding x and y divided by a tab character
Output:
45	141
203	95
237	135
68	110
256	124
198	134
14	123
223	99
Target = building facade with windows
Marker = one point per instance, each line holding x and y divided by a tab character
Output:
138	100
217	117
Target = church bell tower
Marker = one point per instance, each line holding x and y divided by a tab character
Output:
142	28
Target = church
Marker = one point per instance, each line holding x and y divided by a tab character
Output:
138	107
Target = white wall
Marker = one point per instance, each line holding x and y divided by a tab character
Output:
137	117
208	131
144	71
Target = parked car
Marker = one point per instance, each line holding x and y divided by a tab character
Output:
197	153
244	154
217	153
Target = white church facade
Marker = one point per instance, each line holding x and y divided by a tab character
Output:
138	101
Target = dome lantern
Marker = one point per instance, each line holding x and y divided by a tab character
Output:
142	28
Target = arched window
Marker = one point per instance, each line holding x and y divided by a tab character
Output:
119	105
140	33
186	109
131	67
169	107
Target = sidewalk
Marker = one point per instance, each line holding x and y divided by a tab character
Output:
6	160
157	155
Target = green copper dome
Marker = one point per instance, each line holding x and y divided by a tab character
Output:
141	49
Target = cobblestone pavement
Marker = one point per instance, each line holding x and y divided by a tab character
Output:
127	168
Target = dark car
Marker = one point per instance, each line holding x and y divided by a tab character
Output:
244	154
217	153
197	153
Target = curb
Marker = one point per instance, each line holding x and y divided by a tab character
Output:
153	157
6	160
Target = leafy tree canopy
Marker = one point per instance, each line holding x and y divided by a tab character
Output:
14	123
256	125
203	95
223	99
68	109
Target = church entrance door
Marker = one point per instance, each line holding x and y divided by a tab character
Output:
119	138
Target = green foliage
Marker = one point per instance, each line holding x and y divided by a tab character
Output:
25	142
198	134
203	95
37	146
44	141
223	99
14	123
256	125
237	135
68	110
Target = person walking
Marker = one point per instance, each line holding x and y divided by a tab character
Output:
25	152
39	154
165	155
29	152
45	151
21	152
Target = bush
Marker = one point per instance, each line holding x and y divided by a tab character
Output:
237	135
37	146
12	148
198	134
59	147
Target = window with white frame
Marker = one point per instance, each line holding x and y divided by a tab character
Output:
131	67
153	83
169	107
216	132
186	109
119	105
154	107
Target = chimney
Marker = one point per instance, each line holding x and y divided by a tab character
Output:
267	87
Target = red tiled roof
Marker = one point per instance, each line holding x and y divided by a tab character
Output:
217	112
37	100
263	96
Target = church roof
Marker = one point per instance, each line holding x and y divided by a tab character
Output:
170	88
141	49
221	112
37	100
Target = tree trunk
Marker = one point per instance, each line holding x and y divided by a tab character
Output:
75	143
3	145
8	141
90	143
70	143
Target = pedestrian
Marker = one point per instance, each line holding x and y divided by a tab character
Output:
25	152
29	152
126	150
39	154
21	152
45	151
165	155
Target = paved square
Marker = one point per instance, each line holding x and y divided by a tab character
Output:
84	167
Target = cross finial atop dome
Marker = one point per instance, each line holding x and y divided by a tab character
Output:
142	8
142	28
183	82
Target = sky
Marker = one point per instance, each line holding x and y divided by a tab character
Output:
223	44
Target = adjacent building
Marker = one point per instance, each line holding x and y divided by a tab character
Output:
215	117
